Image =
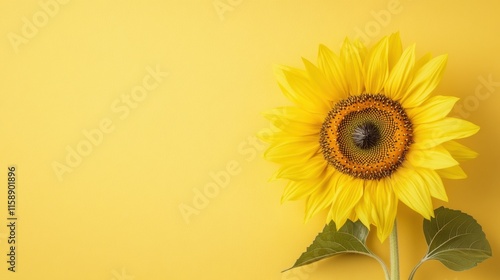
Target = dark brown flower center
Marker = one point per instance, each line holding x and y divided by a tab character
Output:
366	136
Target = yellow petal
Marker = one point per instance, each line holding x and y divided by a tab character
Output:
348	192
296	150
378	206
425	81
377	67
323	87
385	205
459	151
410	188
299	189
454	172
353	217
300	171
431	134
295	127
329	63
433	158
351	61
322	197
288	113
401	75
297	86
362	50
434	183
364	207
273	135
423	60
433	109
301	129
395	49
363	211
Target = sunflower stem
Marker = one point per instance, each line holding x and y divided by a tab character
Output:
384	267
394	252
415	269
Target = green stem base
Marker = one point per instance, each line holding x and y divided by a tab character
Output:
394	252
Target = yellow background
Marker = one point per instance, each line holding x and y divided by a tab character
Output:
117	214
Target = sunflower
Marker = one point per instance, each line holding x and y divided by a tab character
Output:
366	132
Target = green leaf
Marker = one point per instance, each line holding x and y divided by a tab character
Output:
455	239
350	238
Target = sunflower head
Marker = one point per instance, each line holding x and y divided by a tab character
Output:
365	132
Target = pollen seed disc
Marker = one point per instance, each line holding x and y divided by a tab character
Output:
366	136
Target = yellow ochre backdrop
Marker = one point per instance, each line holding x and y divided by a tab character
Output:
131	125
